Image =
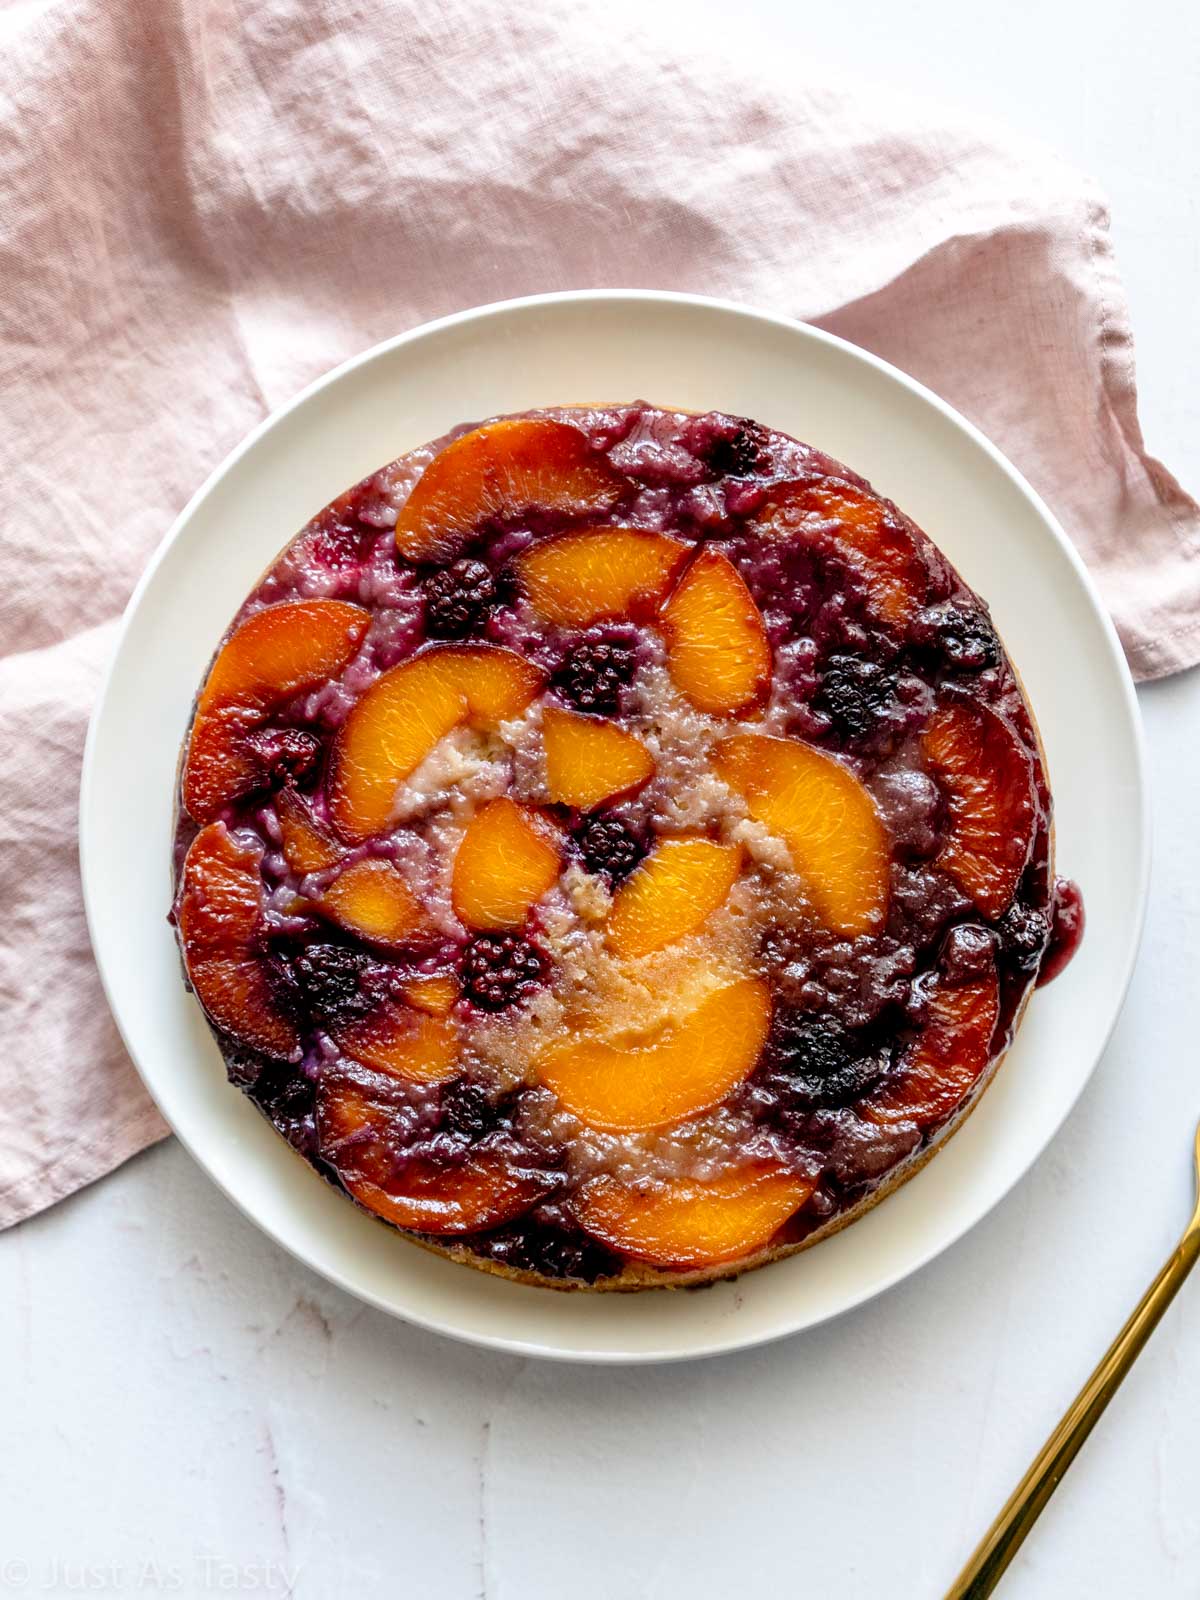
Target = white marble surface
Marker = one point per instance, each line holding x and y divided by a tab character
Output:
188	1411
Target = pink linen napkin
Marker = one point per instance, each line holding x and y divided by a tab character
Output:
203	205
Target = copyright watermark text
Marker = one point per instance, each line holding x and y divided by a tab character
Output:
203	1574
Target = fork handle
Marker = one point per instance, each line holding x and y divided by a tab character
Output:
1007	1534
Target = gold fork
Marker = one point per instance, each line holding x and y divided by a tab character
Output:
1007	1534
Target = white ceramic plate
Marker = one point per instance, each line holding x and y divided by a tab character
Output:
688	352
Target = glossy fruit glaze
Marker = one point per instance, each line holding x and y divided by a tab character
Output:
613	842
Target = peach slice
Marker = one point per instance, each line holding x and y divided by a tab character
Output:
504	865
372	899
499	471
826	818
987	776
403	1042
307	845
688	1223
673	893
590	760
881	555
219	912
677	1072
359	1138
598	573
275	654
947	1059
435	995
406	712
717	648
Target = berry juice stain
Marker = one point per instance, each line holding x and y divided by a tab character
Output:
1066	930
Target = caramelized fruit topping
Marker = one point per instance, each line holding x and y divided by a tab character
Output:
716	643
406	713
599	574
826	818
686	1223
275	654
497	473
672	894
675	1070
507	861
589	761
220	913
987	777
662	839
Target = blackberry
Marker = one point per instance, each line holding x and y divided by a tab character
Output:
607	847
458	598
553	1251
730	447
499	970
283	755
819	1063
332	983
736	455
595	672
283	1091
1026	935
467	1111
965	638
855	694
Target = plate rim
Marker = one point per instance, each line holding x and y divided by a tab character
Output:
729	1341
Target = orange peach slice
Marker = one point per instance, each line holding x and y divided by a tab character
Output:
882	556
435	995
307	845
358	1138
501	471
946	1060
688	1223
678	1072
372	899
219	912
275	654
403	1042
504	865
406	712
673	893
826	818
597	573
590	760
987	776
717	648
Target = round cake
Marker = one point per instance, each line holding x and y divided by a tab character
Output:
614	847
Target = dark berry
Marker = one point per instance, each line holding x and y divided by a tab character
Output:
467	1111
500	970
855	694
552	1251
965	638
284	985
283	1091
736	457
729	446
282	755
594	673
607	847
820	1063
331	982
458	598
1026	934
